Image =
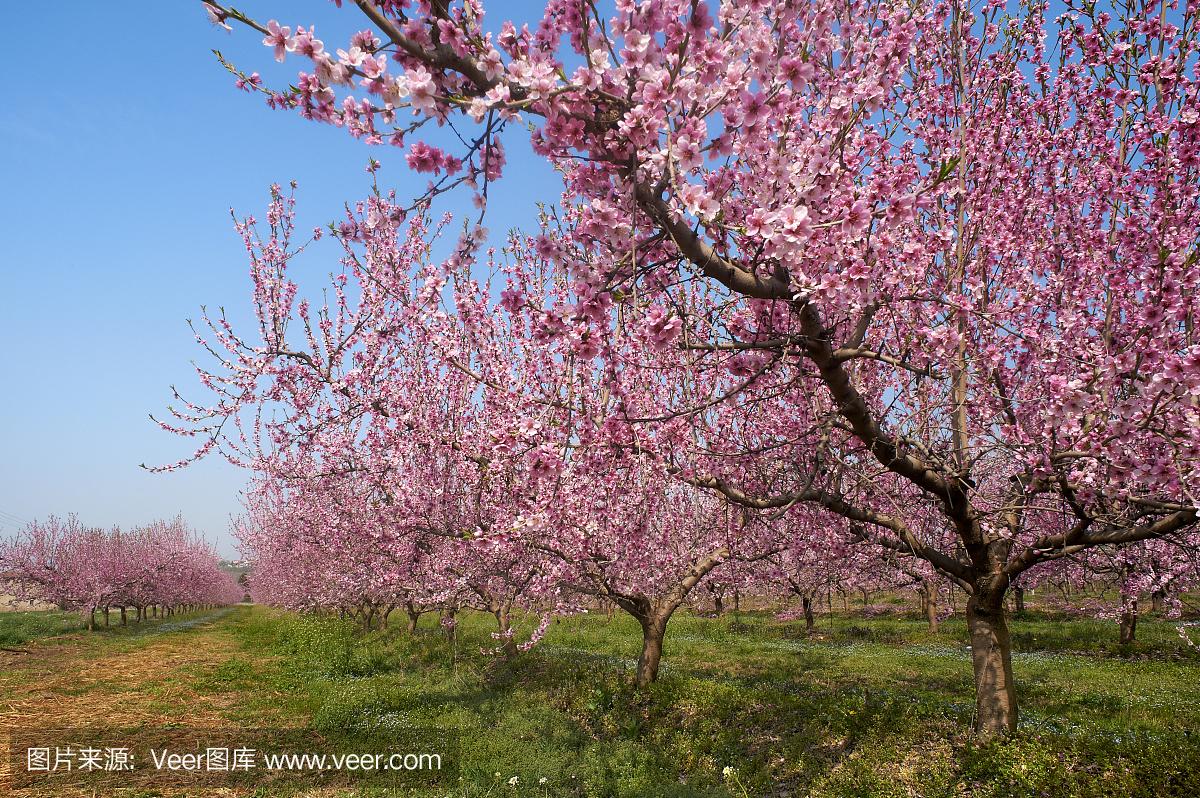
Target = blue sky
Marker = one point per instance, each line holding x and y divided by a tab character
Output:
115	186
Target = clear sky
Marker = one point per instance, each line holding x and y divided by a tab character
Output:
116	180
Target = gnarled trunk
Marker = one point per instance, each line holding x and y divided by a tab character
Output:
1129	619
654	614
991	658
929	599
503	615
654	629
413	616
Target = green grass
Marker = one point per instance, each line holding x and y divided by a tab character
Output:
21	627
17	628
866	708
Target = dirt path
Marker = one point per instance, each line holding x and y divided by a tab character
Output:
145	679
80	681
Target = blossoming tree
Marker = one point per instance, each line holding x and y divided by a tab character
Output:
163	564
941	256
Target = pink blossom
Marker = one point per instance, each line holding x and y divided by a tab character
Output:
278	38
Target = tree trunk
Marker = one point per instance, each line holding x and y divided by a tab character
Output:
810	620
654	629
504	625
1129	619
930	594
413	617
737	600
718	604
106	616
1019	597
123	621
91	623
991	658
1156	601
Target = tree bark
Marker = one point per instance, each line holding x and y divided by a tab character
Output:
106	620
654	629
1129	619
929	599
991	659
810	620
91	623
1156	601
123	620
1019	597
504	625
413	617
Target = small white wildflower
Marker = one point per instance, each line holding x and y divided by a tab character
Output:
513	781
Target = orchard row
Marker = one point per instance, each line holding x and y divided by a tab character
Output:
162	566
831	288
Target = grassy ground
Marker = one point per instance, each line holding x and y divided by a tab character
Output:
18	627
862	708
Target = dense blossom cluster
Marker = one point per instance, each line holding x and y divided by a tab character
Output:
160	565
914	279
